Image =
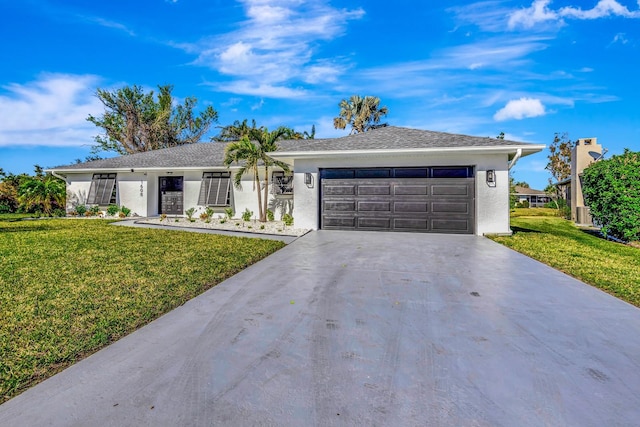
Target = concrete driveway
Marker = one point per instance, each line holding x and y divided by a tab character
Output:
357	328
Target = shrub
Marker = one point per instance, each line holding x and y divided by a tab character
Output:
247	214
189	212
270	216
95	210
112	210
209	212
228	212
611	189
59	212
81	209
124	210
287	219
204	216
163	217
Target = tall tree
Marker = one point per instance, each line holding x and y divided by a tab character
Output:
236	131
253	154
240	129
134	121
362	113
560	157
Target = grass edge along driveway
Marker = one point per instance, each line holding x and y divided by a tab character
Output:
557	242
69	287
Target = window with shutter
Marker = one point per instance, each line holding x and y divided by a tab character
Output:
103	189
282	183
215	189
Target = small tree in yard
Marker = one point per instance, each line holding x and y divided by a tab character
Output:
611	189
559	164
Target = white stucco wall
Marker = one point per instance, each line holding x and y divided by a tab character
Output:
139	191
132	192
491	204
78	186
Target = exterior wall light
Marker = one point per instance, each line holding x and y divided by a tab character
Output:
308	179
491	177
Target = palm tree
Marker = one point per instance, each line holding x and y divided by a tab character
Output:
236	131
268	143
361	113
44	192
253	154
247	153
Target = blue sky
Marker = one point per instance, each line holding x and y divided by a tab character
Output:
528	68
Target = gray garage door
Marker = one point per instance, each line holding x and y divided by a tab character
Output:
436	200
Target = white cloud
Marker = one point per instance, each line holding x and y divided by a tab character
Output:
620	38
247	87
275	47
537	12
109	24
540	12
519	109
50	111
603	9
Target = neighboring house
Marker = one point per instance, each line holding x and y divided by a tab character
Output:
585	152
533	198
391	178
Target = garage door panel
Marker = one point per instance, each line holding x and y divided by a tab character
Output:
450	190
410	207
409	190
339	206
340	222
450	207
441	205
407	224
450	225
340	190
366	206
374	190
374	223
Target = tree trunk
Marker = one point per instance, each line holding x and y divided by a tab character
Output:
257	179
265	200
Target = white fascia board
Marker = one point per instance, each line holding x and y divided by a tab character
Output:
145	169
287	156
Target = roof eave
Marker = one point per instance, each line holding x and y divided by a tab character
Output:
62	170
503	149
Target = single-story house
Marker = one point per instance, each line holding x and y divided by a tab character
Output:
390	178
533	198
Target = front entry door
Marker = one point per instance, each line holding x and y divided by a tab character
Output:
171	196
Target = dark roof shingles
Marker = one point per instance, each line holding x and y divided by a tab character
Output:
211	154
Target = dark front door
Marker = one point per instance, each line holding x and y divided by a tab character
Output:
171	195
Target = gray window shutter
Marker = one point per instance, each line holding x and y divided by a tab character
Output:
214	189
102	185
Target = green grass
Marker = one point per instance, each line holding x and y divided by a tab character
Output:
69	287
14	217
533	212
610	266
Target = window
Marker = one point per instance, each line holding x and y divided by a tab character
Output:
282	183
103	189
215	189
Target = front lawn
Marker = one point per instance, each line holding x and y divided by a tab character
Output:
70	286
557	242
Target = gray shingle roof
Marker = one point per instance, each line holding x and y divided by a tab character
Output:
190	155
398	138
207	155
